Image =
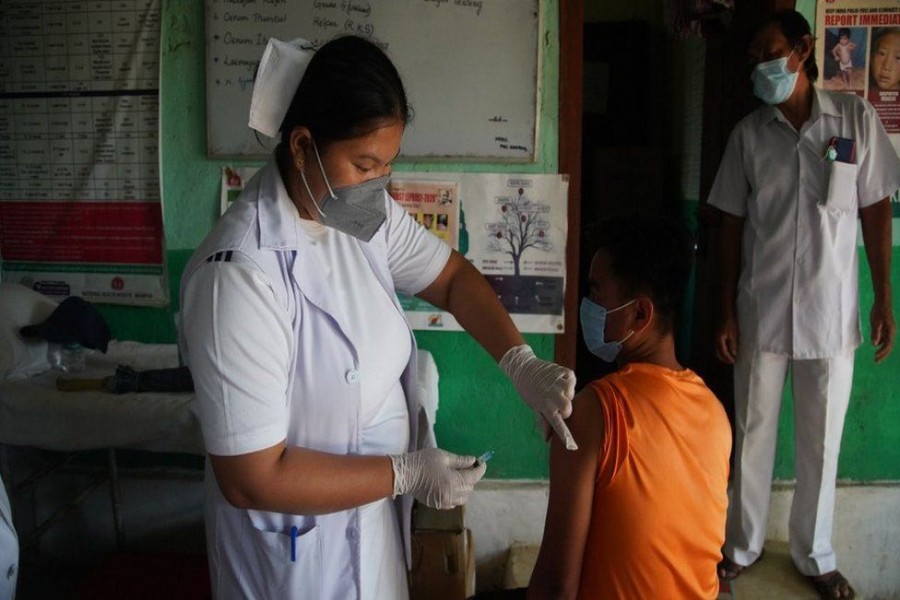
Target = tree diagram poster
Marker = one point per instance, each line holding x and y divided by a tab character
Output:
858	52
513	228
80	205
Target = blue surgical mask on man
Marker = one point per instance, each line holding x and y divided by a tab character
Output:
773	82
593	324
357	210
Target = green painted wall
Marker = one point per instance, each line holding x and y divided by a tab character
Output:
870	450
479	408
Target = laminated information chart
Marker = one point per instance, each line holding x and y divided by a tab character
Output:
80	206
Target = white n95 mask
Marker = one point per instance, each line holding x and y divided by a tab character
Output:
356	210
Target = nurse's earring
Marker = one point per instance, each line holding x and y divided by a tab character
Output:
299	164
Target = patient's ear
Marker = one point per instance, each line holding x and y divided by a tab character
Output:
644	314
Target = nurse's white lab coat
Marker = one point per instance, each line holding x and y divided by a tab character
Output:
250	550
9	549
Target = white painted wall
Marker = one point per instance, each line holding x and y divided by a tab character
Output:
866	529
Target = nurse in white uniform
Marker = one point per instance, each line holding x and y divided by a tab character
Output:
9	549
303	361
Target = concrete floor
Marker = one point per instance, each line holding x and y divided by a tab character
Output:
771	578
774	577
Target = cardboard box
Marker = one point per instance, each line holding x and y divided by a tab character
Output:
443	558
443	565
432	519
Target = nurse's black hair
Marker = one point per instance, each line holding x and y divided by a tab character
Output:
650	255
794	26
350	88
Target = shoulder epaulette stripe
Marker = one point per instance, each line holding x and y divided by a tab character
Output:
224	256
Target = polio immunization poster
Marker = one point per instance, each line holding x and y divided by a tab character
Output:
858	52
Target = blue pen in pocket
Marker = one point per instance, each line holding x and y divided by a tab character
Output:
294	533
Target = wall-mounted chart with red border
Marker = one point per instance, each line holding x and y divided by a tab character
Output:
80	206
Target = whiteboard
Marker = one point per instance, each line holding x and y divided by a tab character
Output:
470	68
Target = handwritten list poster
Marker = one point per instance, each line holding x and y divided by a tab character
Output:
470	68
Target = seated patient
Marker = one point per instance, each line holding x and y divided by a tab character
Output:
638	511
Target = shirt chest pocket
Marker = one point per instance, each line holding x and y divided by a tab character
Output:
840	193
286	565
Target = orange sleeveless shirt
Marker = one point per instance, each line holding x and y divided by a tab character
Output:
658	516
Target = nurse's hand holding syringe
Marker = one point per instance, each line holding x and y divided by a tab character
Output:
546	387
435	477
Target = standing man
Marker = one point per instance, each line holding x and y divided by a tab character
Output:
795	175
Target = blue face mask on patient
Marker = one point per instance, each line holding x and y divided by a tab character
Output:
593	323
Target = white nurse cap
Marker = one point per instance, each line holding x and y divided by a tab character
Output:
280	71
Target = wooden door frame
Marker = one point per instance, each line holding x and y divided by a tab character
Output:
571	67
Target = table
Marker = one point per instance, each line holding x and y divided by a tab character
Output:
34	413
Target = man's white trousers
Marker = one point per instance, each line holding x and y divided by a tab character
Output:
821	393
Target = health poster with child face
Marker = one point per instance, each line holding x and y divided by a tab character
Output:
858	52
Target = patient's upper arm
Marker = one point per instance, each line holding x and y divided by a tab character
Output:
572	482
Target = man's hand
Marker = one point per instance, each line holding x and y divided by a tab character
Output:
875	220
883	329
730	238
727	341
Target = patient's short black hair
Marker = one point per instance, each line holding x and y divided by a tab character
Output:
650	255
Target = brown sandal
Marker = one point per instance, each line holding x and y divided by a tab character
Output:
830	585
727	569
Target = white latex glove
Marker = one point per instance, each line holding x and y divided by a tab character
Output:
545	386
435	477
